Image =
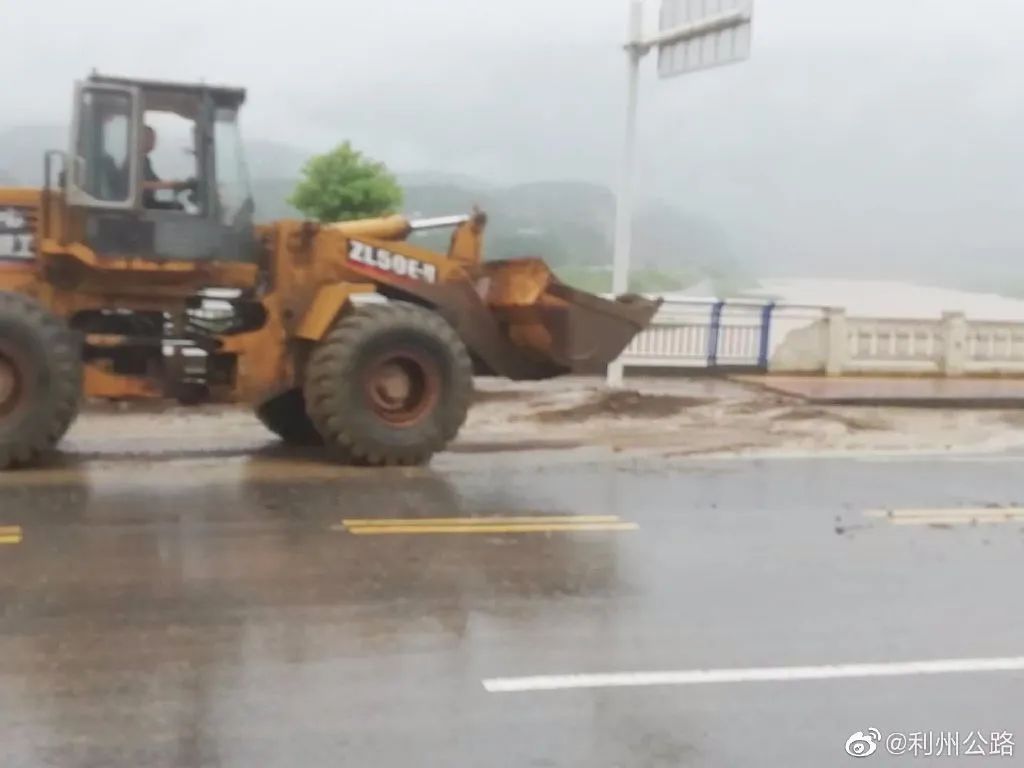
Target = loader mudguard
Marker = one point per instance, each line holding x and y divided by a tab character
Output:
328	302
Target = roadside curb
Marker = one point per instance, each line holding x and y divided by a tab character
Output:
895	392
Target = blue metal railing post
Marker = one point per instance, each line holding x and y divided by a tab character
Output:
714	332
766	332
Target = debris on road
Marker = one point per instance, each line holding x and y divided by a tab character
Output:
673	417
622	404
855	423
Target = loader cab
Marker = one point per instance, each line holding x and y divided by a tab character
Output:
157	171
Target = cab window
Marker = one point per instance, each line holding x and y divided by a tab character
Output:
104	146
170	161
233	191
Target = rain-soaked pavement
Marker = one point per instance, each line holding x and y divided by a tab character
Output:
273	611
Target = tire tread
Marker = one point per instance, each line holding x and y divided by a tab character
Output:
38	435
334	361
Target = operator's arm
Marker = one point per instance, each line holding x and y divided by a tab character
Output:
153	183
156	186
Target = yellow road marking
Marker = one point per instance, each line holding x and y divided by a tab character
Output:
952	516
10	534
384	530
462	521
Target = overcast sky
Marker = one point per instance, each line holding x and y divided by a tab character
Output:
860	132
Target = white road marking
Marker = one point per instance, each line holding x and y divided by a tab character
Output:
949	516
762	674
951	521
949	511
971	454
1015	458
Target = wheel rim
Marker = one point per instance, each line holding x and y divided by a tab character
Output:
11	384
402	387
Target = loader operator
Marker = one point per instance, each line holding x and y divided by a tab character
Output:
151	183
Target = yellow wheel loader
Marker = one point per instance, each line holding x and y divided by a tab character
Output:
115	284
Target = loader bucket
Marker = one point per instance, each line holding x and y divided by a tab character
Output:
572	330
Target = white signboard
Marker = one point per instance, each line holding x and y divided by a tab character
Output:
16	234
699	34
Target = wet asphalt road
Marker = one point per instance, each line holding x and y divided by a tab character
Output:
217	611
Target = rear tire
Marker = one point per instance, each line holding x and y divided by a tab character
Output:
389	384
40	380
285	416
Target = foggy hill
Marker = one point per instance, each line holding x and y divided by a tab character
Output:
22	149
844	147
566	222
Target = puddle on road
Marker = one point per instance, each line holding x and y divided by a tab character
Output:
275	463
199	586
228	467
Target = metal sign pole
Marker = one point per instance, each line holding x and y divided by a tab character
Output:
693	35
624	199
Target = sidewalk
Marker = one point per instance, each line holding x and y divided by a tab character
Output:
897	391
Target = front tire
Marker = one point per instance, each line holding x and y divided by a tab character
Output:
40	380
389	384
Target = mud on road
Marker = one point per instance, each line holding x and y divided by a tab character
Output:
674	417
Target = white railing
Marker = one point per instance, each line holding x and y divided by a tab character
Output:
708	333
743	330
678	337
703	333
671	346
